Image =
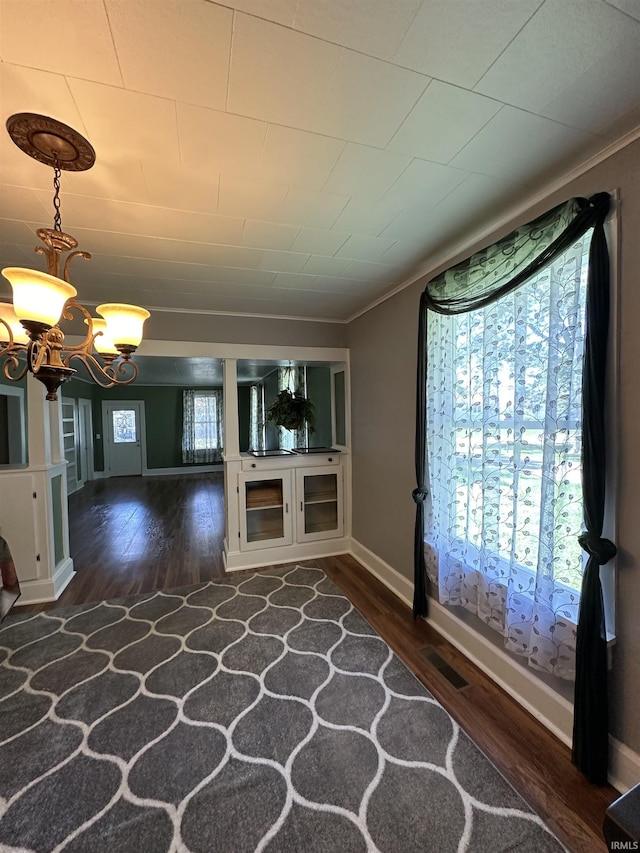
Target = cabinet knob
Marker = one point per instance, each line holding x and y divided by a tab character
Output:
253	464
331	459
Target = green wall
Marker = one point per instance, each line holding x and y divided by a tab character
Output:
163	419
319	392
244	416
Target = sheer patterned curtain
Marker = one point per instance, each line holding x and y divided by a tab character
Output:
473	284
257	417
294	379
202	433
504	444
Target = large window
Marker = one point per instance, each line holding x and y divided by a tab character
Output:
504	445
202	435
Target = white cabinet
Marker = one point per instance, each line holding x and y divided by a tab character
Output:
265	510
284	509
319	503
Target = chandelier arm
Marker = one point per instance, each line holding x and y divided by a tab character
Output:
87	344
70	257
107	376
7	346
12	370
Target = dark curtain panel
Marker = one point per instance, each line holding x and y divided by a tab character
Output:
420	493
591	711
478	281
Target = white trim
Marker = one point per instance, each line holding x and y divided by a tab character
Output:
185	469
235	561
515	212
624	765
47	589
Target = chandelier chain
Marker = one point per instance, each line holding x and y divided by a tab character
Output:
57	219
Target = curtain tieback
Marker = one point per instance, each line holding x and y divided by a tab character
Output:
420	495
601	549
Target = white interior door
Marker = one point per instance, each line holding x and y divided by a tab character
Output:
123	429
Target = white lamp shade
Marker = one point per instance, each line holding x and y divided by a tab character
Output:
102	343
9	316
38	296
124	322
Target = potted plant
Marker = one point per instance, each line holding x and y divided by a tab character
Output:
291	409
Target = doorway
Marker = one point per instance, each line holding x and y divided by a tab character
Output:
124	432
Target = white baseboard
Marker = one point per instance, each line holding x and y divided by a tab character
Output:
48	589
551	709
624	766
183	469
160	472
237	561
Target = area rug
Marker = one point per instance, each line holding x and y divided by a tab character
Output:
257	713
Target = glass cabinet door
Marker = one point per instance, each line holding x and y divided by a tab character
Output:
319	503
265	519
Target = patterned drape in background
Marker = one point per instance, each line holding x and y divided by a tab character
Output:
203	426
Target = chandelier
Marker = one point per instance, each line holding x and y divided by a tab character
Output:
30	326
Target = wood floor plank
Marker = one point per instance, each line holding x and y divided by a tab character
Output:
138	534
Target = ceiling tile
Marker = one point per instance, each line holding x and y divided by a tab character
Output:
16	232
218	141
141	246
341	284
310	208
370	218
110	177
283	261
442	122
317	241
365	172
368	271
21	203
128	125
458	41
26	90
515	144
362	248
280	11
74	40
261	84
573	35
105	215
180	188
629	7
294	281
334	92
193	39
250	199
425	181
376	27
605	91
298	157
322	265
367	100
269	235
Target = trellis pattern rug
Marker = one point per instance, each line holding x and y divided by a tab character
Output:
258	713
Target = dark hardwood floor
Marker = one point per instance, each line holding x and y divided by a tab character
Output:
135	534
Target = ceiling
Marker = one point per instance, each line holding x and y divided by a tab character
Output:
299	158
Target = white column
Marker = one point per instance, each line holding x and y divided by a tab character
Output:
33	505
230	388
